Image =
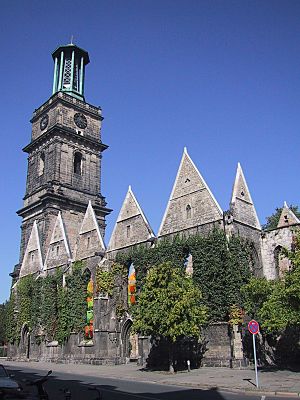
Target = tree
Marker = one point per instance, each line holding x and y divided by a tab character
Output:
272	220
276	304
169	305
294	254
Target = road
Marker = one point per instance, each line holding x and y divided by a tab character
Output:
119	389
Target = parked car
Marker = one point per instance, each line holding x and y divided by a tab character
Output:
9	387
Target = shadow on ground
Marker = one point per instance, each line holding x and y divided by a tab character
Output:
130	390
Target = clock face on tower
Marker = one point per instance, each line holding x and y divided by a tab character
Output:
80	120
44	122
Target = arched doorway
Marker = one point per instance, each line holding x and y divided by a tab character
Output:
129	341
25	341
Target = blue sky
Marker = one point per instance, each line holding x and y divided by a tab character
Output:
220	77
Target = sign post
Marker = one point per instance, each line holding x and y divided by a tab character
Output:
253	328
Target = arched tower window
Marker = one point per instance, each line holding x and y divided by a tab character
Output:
188	210
42	164
78	163
277	253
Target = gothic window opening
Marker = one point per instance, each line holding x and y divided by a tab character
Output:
128	231
42	164
282	263
57	250
131	285
188	265
188	211
78	163
89	327
277	253
88	242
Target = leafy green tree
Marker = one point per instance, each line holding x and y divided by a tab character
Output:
169	305
255	294
272	220
276	304
294	254
282	309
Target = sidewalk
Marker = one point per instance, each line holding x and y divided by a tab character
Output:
270	382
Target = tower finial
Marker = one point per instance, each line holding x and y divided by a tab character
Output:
69	69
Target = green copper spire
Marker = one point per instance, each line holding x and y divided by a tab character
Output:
69	66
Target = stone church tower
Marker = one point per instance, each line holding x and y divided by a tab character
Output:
64	166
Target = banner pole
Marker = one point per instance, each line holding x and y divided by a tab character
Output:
255	361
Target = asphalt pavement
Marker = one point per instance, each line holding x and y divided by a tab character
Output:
282	383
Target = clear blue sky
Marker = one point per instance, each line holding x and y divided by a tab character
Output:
220	77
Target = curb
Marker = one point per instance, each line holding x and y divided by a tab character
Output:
232	389
227	389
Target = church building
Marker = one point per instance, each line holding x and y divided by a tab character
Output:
64	217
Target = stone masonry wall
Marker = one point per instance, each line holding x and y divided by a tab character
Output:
281	237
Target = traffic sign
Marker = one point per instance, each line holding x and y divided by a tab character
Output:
253	327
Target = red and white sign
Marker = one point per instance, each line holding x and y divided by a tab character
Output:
253	327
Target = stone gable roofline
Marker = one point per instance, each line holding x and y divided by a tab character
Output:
91	211
234	196
119	219
186	155
35	227
151	233
291	220
34	242
239	172
59	224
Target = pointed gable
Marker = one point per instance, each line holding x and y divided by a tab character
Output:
287	217
131	227
89	239
241	204
32	261
59	251
191	203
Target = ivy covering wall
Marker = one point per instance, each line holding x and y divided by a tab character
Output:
220	266
50	309
53	309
